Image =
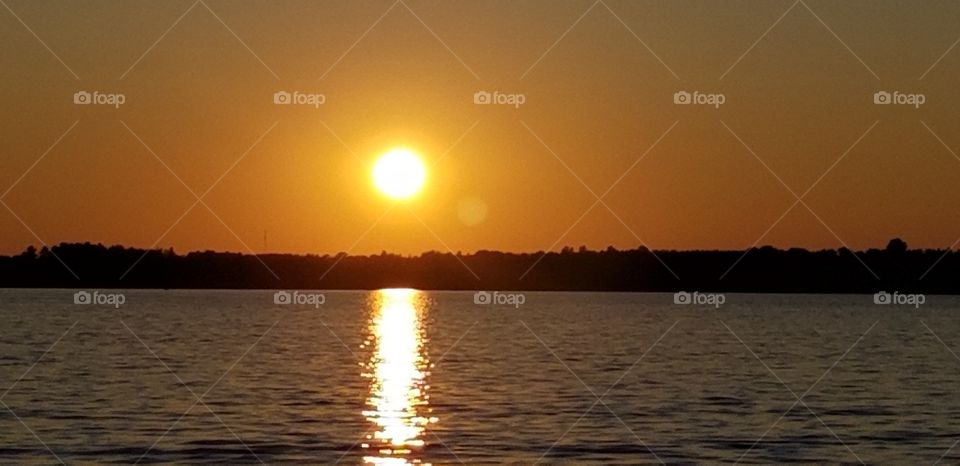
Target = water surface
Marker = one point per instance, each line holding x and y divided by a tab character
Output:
401	376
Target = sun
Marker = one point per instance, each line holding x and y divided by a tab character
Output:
399	174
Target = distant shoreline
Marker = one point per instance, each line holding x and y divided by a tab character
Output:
765	270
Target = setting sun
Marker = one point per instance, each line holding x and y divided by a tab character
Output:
399	174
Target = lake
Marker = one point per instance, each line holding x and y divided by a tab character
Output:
404	376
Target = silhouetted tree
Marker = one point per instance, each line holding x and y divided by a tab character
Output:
763	269
897	246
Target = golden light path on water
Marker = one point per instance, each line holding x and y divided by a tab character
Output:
397	368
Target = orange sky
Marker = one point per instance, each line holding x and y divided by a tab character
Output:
598	80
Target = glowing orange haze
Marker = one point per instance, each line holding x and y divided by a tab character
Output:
507	178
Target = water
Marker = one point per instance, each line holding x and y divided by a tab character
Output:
402	376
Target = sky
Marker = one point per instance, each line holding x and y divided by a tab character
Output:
788	148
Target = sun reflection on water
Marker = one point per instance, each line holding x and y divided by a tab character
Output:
397	368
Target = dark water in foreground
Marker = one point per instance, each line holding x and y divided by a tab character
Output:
402	376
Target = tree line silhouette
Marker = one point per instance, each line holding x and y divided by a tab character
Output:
764	269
